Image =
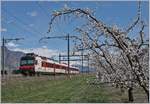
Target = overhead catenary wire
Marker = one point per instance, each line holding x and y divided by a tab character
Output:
22	22
20	26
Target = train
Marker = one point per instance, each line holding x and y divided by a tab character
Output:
33	64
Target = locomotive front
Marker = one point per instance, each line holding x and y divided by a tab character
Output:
27	64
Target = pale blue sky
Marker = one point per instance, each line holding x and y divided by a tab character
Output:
29	19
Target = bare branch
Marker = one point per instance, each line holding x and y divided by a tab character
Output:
136	20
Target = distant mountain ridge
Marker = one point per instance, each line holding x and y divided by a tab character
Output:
12	59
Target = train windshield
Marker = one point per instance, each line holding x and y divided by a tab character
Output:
27	62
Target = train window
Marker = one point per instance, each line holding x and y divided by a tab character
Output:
56	66
46	64
30	61
51	65
59	67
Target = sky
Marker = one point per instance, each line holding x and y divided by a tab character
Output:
30	20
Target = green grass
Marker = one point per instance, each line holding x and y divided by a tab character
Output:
62	90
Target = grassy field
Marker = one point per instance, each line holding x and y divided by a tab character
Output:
61	90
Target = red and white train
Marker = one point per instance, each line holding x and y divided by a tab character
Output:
34	64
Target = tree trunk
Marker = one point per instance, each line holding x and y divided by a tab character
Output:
130	94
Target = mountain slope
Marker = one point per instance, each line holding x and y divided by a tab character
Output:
12	59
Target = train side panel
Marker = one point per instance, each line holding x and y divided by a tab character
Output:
40	68
55	67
